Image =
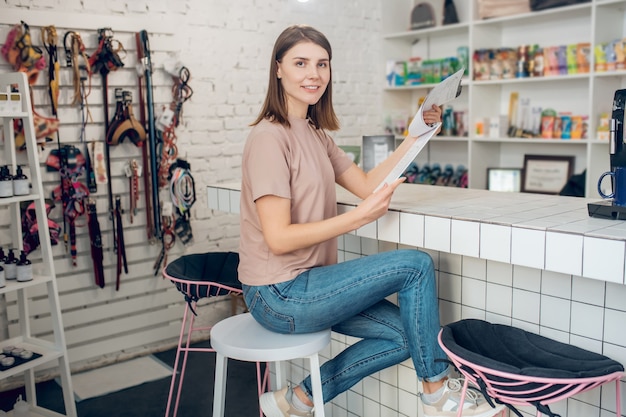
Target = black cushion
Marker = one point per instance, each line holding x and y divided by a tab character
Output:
513	350
219	267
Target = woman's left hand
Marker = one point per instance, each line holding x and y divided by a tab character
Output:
432	115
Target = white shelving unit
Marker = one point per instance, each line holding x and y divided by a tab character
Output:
587	94
53	352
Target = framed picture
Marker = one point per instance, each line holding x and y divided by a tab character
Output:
546	174
504	179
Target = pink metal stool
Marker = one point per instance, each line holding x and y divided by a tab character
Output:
519	368
199	276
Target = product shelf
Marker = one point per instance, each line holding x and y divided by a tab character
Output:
14	285
47	350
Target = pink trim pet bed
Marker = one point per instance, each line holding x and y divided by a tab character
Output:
516	367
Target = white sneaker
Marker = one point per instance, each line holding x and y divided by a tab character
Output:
278	404
448	405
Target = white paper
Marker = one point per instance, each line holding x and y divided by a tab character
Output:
442	93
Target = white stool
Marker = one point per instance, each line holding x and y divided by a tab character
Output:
241	337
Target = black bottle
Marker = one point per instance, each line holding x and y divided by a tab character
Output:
20	183
24	268
10	266
6	182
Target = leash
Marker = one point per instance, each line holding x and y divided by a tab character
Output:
147	66
168	239
71	164
104	60
133	172
169	120
147	186
121	249
95	238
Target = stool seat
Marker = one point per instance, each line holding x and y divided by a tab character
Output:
242	337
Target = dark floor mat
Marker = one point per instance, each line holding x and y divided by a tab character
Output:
150	399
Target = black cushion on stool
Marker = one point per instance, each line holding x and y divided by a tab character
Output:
218	267
509	349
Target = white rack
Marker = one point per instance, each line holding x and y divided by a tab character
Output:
589	94
52	352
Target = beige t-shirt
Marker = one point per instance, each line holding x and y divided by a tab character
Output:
301	164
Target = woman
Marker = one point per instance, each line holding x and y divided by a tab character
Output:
288	249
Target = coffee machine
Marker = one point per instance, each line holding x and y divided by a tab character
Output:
617	153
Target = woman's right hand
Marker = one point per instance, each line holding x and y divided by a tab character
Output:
376	204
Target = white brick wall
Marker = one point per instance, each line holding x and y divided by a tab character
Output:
226	45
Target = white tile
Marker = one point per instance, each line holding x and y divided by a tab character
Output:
371	408
495	242
234	197
616	296
564	253
371	388
592	345
474	268
437	233
499	299
450	263
500	273
555	313
589	291
556	284
369	246
552	333
223	200
468	312
528	247
465	238
355	402
473	293
352	244
407	378
587	320
412	229
450	287
614	327
369	230
211	194
389	395
389	375
389	227
526	306
408	404
527	278
449	312
603	259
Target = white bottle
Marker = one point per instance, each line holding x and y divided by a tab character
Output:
3	282
21	408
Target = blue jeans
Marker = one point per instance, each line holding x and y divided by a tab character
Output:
349	297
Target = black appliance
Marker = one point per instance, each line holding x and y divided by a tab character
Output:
617	153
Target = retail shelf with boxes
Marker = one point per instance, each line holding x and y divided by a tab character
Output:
539	82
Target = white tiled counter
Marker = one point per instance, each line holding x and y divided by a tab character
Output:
538	262
546	232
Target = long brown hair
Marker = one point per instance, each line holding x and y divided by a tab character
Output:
321	114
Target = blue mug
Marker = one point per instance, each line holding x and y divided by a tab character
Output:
618	177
